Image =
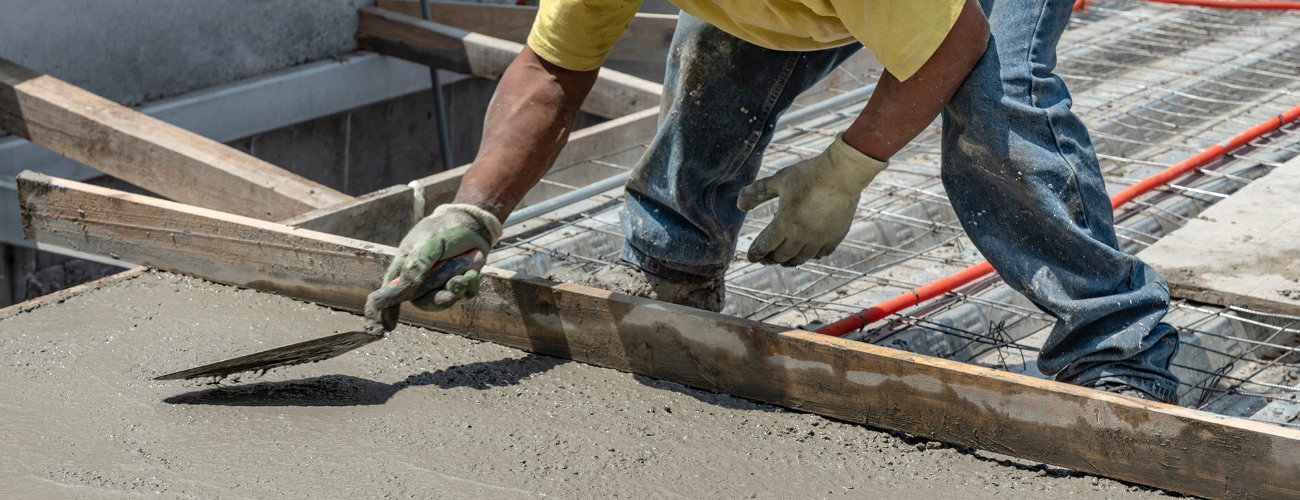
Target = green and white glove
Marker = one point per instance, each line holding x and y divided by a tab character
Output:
818	199
451	231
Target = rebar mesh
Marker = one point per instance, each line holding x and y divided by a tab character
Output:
1155	84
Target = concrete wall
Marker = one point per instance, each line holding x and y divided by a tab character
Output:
133	51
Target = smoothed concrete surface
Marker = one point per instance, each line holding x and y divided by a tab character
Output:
420	415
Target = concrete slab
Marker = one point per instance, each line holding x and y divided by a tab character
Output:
422	415
1242	251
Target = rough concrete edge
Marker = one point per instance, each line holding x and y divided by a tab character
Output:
62	295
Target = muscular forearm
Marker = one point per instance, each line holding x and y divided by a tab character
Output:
898	111
527	123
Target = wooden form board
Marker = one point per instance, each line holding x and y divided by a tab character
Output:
1242	251
148	152
384	216
643	45
614	94
1150	443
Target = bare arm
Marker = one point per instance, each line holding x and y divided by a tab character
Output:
526	126
898	110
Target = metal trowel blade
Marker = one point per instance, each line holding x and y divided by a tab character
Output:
295	354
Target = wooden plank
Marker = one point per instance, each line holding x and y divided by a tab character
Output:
641	51
507	22
1150	443
1242	251
384	216
150	153
614	94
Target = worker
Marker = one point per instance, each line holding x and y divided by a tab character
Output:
1017	164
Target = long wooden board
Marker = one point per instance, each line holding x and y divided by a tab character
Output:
1150	443
384	216
148	152
643	47
1242	251
614	94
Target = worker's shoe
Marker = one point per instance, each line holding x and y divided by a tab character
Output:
705	293
1116	387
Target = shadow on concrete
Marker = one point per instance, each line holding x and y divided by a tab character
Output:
712	398
346	390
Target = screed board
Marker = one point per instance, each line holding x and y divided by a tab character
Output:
1242	251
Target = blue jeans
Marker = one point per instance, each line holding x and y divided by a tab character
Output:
1018	167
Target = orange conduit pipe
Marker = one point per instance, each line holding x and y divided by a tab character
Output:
949	283
1082	5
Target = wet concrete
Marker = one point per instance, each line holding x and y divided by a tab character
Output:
421	415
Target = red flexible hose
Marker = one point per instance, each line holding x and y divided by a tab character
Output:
1082	5
951	282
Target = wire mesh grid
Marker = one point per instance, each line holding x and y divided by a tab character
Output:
1155	84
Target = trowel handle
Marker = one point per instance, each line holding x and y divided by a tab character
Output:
385	300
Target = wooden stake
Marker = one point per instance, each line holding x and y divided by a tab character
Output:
150	153
1100	433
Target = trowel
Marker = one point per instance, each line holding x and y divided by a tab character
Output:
381	317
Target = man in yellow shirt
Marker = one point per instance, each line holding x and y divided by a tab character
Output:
1018	165
734	67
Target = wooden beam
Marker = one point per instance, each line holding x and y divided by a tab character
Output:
615	94
384	216
507	22
1100	433
642	50
150	153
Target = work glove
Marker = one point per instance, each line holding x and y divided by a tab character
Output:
818	199
454	232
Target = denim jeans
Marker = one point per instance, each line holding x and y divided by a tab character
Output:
1018	167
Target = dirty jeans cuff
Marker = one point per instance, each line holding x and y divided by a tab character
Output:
671	271
1163	390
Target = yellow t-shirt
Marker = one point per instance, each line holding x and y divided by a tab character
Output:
903	34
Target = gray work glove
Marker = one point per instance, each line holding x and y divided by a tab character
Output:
818	199
452	231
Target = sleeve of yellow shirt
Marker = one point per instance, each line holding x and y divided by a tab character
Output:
578	34
903	34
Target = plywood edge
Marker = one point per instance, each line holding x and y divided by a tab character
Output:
1116	436
1211	295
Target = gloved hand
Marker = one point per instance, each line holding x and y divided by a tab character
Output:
818	199
451	231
